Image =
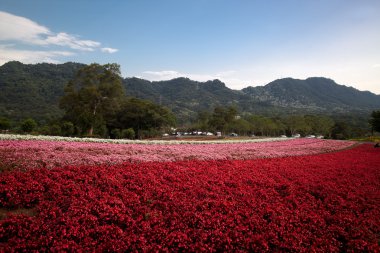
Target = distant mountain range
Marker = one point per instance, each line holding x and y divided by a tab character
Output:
33	90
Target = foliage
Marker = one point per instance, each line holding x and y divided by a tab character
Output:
375	121
28	125
128	133
5	123
124	133
341	131
142	116
92	96
221	117
33	90
227	119
67	128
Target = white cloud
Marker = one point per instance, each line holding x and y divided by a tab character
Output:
109	50
16	31
64	39
20	29
28	56
375	66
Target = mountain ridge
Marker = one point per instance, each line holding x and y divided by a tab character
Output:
33	90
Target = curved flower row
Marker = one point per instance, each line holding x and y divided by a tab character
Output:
321	203
49	154
126	141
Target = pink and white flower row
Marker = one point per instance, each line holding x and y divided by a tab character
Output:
25	154
126	141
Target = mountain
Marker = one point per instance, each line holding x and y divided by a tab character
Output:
184	96
33	90
283	96
316	94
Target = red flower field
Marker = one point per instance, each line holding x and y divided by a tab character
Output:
314	203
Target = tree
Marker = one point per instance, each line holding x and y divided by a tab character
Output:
67	128
296	123
128	133
341	131
240	126
203	119
28	125
93	96
375	121
320	125
142	116
5	124
222	116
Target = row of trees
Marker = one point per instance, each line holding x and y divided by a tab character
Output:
148	119
228	120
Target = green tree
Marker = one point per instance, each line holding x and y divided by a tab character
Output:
320	125
67	128
375	121
55	130
297	124
28	125
142	116
93	96
115	133
222	116
5	123
202	122
341	131
239	126
128	133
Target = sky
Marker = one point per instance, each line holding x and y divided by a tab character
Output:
242	43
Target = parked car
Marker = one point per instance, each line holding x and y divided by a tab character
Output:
233	134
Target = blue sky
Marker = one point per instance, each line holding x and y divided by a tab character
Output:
243	43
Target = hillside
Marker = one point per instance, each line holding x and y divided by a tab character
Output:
315	94
33	90
184	96
284	96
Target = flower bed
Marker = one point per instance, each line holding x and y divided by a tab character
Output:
318	203
25	154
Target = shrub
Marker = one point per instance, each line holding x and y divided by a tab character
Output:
128	133
28	125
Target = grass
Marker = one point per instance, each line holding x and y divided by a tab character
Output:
368	139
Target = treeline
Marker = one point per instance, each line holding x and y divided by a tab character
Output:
228	120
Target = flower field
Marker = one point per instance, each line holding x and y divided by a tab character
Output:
301	195
25	154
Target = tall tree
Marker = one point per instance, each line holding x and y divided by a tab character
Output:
375	121
222	116
297	123
93	96
142	115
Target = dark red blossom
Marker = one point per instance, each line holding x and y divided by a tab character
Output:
317	203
